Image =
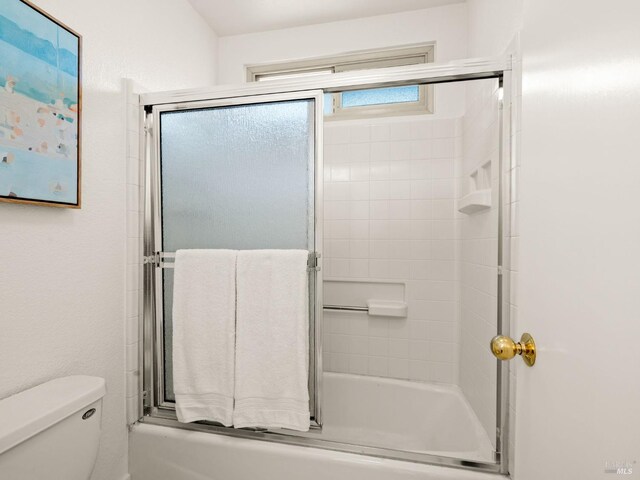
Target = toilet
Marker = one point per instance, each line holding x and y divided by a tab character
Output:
52	431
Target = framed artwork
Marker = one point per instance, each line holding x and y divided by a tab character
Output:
40	108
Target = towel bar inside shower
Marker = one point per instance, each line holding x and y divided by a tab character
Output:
345	308
374	308
167	260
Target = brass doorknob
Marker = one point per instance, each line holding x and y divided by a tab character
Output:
504	348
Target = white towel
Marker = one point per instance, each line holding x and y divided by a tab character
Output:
272	340
204	308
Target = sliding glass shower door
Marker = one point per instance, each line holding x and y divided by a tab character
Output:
417	213
235	174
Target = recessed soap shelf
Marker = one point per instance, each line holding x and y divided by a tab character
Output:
479	196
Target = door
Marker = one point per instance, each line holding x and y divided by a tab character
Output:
578	409
238	173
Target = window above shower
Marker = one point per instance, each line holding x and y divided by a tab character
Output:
365	103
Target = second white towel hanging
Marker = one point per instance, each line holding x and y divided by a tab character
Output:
272	340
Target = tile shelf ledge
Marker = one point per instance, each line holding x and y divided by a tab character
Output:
475	202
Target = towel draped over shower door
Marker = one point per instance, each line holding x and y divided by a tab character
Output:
242	173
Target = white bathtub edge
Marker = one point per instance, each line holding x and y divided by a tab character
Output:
157	451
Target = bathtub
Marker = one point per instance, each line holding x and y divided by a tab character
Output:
358	410
401	415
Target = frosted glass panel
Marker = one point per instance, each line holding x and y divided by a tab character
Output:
238	177
380	96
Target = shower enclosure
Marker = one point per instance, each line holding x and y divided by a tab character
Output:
406	222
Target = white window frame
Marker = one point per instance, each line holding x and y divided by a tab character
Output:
364	60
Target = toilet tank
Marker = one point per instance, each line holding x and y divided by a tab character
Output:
52	431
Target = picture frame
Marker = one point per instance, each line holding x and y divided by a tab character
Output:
40	108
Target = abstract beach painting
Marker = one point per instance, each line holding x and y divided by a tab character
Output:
39	108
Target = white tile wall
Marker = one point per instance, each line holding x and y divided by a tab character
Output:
390	192
135	205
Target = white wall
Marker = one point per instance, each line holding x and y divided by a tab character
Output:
492	24
446	25
62	275
579	277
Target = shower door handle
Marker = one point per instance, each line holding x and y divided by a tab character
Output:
504	348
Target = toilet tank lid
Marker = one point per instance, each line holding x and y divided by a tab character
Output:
28	413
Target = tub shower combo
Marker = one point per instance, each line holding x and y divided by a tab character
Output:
408	269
